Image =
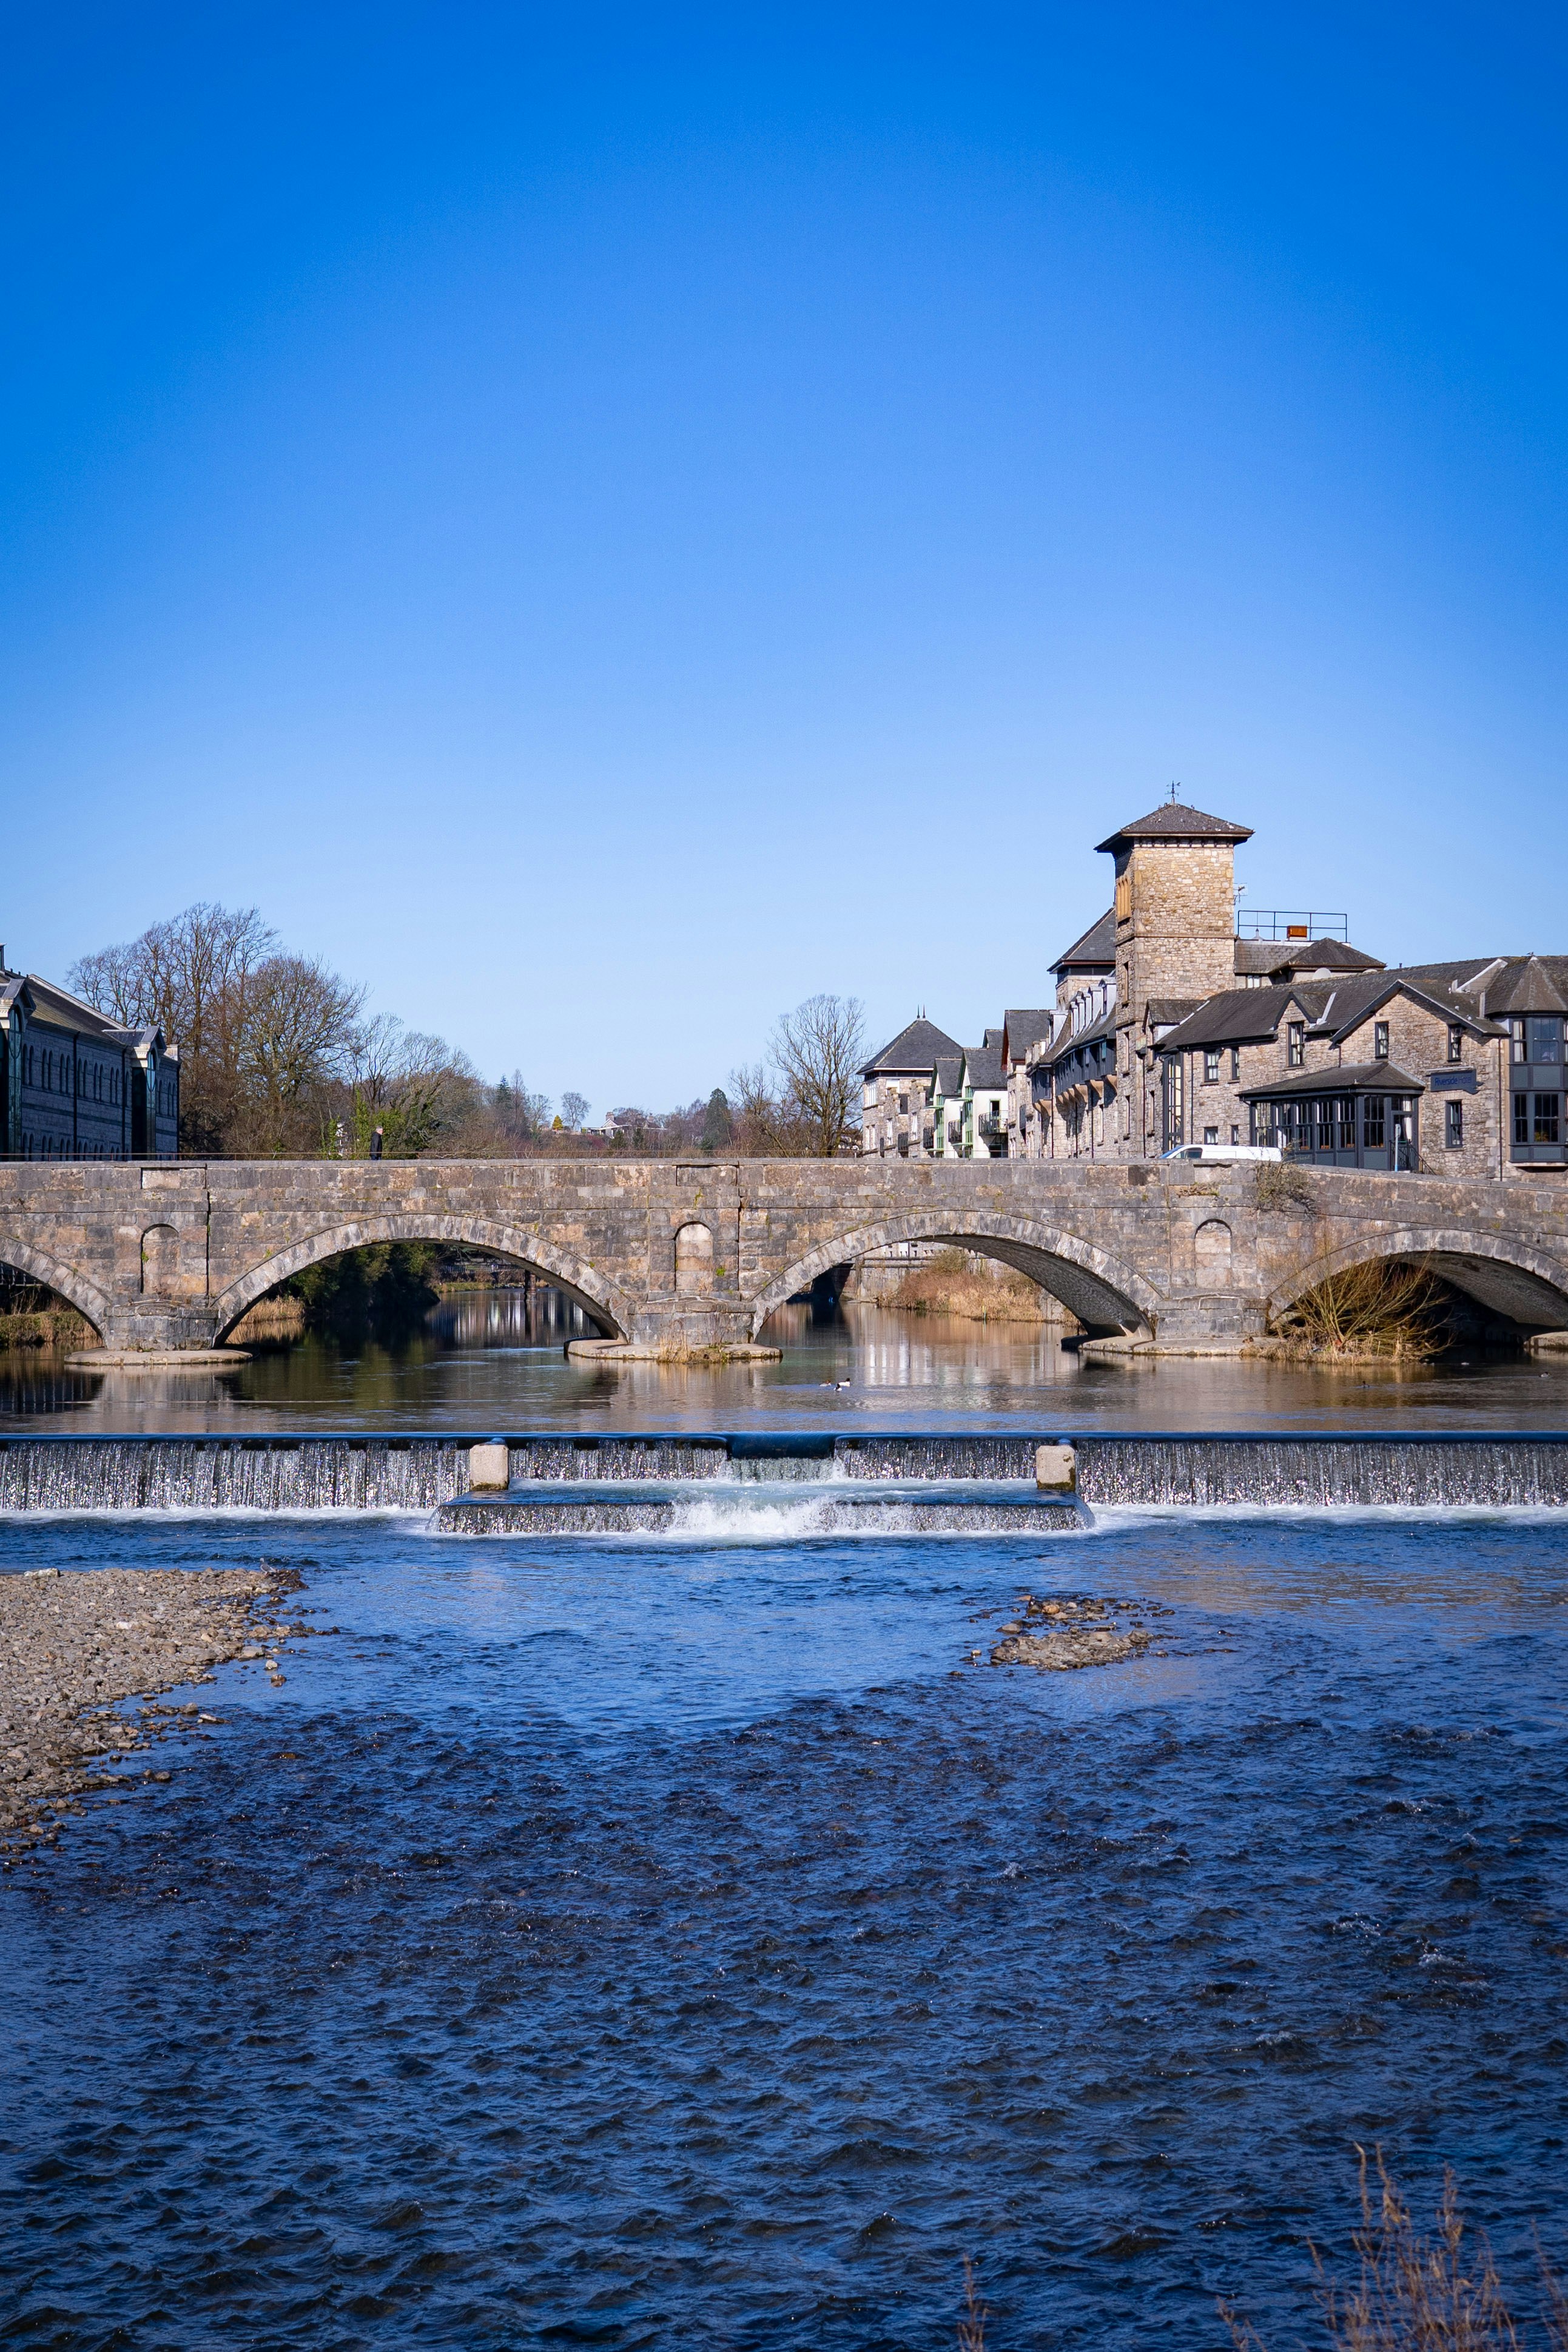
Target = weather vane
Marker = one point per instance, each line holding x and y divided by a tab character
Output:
1175	789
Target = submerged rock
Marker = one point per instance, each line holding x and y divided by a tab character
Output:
1075	1630
1077	1646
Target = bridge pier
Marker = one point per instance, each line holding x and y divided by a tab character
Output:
677	1329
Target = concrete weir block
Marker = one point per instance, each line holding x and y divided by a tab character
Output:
1055	1467
489	1468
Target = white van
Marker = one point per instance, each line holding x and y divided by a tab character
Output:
1224	1152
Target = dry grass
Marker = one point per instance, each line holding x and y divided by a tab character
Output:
280	1318
949	1285
1420	2291
972	2327
1387	1306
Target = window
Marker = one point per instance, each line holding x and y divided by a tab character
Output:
1456	1041
1212	1135
1211	1074
1235	1070
1296	1044
1344	1121
1517	1050
1454	1126
1545	1037
1372	1130
1522	1118
1546	1121
1380	1041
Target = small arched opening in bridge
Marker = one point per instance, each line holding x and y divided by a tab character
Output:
693	1260
1106	1296
477	1283
44	1304
1488	1290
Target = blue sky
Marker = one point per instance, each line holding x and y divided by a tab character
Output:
604	522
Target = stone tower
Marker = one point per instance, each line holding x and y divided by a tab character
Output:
1175	909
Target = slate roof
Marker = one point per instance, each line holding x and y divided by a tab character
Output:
1022	1029
1160	1009
1267	956
1096	948
913	1052
1174	820
984	1062
1091	1034
949	1072
68	1012
1506	980
1530	986
1243	1016
1343	1078
1238	1016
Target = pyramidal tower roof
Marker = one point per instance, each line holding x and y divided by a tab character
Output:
1174	820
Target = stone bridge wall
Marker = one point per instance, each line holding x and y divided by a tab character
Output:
172	1255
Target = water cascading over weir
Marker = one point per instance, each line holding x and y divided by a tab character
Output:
942	1482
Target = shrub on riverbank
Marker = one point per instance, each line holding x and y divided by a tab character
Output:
1389	1306
47	1326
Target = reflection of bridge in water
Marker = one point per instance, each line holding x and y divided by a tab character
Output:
695	1254
509	1315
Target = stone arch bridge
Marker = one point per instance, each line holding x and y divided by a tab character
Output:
697	1254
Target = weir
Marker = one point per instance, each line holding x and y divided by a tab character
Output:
911	1481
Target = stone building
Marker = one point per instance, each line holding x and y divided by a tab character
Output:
75	1087
1170	1031
896	1089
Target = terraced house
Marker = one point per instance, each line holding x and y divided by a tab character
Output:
74	1087
1173	1030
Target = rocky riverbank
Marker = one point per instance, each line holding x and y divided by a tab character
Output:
75	1645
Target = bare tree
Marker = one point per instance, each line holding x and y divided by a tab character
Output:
817	1052
416	1088
573	1110
299	1036
190	976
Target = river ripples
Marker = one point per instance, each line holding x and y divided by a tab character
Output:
630	1945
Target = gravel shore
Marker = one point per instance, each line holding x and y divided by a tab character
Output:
74	1644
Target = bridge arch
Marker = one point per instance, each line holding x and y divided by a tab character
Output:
1098	1288
1527	1285
73	1288
594	1292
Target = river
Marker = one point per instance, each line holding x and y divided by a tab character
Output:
643	1941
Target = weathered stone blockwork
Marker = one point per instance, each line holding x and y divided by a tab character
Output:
171	1257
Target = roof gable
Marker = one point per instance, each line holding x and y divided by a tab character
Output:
912	1053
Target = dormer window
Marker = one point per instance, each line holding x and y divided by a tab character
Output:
1380	1041
1296	1044
1456	1041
